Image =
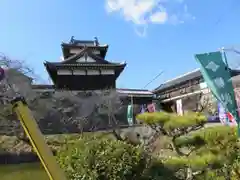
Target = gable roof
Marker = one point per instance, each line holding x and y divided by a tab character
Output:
66	48
195	74
84	52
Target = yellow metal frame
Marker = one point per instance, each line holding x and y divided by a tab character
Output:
30	127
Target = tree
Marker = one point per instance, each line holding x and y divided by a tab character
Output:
61	110
195	151
16	82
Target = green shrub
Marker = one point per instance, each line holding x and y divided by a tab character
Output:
210	153
154	118
171	121
93	158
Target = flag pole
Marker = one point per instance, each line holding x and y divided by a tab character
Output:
225	59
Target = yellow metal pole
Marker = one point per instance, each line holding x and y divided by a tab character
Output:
30	127
132	109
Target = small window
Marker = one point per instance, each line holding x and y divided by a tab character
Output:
64	72
79	72
107	72
93	72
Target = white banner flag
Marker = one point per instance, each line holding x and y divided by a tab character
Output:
179	107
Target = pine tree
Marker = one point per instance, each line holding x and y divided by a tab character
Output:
197	151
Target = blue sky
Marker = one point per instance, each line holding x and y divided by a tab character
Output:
150	35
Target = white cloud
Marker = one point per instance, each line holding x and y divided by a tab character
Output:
159	17
145	12
132	10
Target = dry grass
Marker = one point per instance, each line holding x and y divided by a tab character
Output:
14	145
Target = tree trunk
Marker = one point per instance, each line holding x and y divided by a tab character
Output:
117	135
175	148
115	127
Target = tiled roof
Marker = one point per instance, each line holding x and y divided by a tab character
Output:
186	77
59	64
142	92
135	91
89	43
178	80
82	45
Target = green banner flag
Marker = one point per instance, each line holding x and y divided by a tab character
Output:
218	78
130	115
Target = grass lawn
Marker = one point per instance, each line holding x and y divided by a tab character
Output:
23	172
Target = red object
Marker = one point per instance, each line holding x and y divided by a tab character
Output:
151	108
230	117
2	74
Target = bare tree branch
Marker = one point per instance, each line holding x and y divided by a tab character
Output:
62	109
